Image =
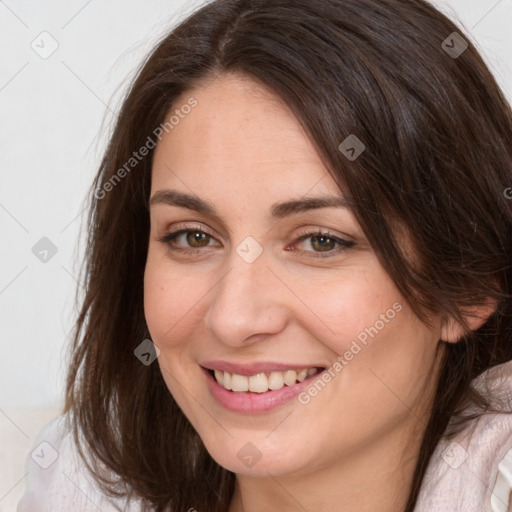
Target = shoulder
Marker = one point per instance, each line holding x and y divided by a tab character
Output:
472	471
501	496
57	478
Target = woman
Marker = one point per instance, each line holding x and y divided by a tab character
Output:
299	263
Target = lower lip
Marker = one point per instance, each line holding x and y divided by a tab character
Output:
253	403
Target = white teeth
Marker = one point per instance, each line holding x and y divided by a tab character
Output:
258	383
275	380
226	382
290	377
239	382
262	382
302	375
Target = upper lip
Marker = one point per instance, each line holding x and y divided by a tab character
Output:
255	368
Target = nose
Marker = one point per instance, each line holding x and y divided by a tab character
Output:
248	304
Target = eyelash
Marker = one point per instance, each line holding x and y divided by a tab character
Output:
343	244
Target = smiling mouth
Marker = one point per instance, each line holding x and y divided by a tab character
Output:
262	382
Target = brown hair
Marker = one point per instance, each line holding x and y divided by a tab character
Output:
438	137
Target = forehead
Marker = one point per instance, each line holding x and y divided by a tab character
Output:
239	136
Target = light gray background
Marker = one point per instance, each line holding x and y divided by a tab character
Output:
55	115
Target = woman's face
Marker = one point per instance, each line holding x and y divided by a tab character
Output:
242	293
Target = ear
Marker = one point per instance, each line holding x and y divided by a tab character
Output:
452	331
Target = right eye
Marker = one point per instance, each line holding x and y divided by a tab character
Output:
192	236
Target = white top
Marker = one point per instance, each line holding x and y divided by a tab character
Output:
58	480
470	473
473	471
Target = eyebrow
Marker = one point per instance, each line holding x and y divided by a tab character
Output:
277	210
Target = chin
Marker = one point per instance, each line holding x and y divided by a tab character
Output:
255	458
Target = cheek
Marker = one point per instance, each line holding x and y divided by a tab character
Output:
169	310
388	365
369	325
165	300
352	306
174	300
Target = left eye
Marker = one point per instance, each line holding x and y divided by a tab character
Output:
324	244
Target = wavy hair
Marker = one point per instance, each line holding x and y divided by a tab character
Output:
437	165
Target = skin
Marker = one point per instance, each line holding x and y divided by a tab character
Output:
354	446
